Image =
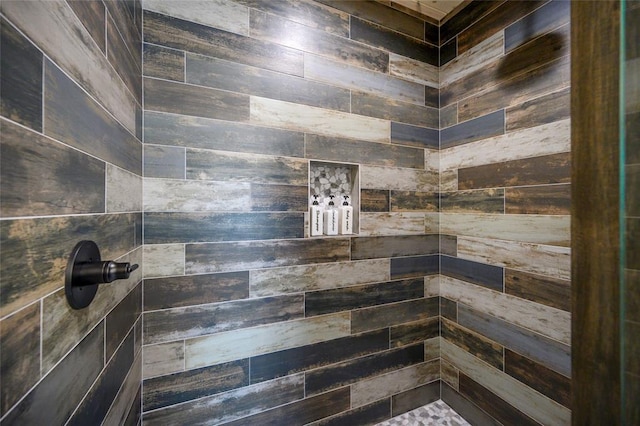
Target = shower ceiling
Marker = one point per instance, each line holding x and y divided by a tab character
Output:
434	9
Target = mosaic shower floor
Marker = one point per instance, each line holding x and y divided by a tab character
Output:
436	413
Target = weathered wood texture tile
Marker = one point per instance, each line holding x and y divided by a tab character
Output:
539	199
283	363
253	341
549	291
81	58
26	239
449	374
395	314
295	279
377	13
474	343
120	321
481	201
20	357
398	178
474	272
204	40
277	30
163	358
241	256
545	109
180	323
127	64
197	132
448	52
478	128
389	109
379	36
305	411
173	292
547	169
355	297
463	406
412	70
368	414
72	117
353	371
471	13
410	201
474	59
546	18
449	309
414	332
537	376
168	96
20	79
127	406
231	405
193	384
92	14
493	404
231	76
374	200
377	224
56	397
164	161
420	137
227	15
43	177
414	266
124	191
415	398
162	62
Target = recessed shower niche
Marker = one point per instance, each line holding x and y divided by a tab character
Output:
332	182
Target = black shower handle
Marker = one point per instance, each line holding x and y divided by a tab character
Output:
89	273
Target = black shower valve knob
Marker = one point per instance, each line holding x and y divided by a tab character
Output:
102	272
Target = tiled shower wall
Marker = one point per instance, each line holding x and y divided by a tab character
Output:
246	319
505	182
631	391
71	170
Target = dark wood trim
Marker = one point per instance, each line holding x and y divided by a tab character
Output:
595	227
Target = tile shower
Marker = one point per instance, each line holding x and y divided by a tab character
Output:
454	286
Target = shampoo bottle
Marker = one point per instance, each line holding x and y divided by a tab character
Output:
316	216
346	216
331	217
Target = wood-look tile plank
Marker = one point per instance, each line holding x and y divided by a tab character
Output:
389	109
394	382
20	78
196	132
120	321
414	332
449	116
547	321
169	227
376	35
488	276
224	15
240	167
478	128
74	118
126	408
415	398
380	224
303	118
379	14
368	414
356	297
374	177
177	98
374	200
92	14
43	177
393	246
51	24
180	323
493	404
546	381
20	356
494	21
471	13
310	14
542	409
169	195
548	17
542	199
398	313
231	405
448	52
413	70
192	37
173	292
161	260
279	198
124	190
339	149
545	109
449	309
473	343
463	406
548	352
234	77
411	201
248	342
304	411
127	64
54	398
309	357
450	375
355	370
548	291
163	358
164	161
546	169
275	29
162	62
348	77
481	201
194	384
474	59
241	256
420	137
34	257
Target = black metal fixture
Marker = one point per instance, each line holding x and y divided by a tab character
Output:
85	271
